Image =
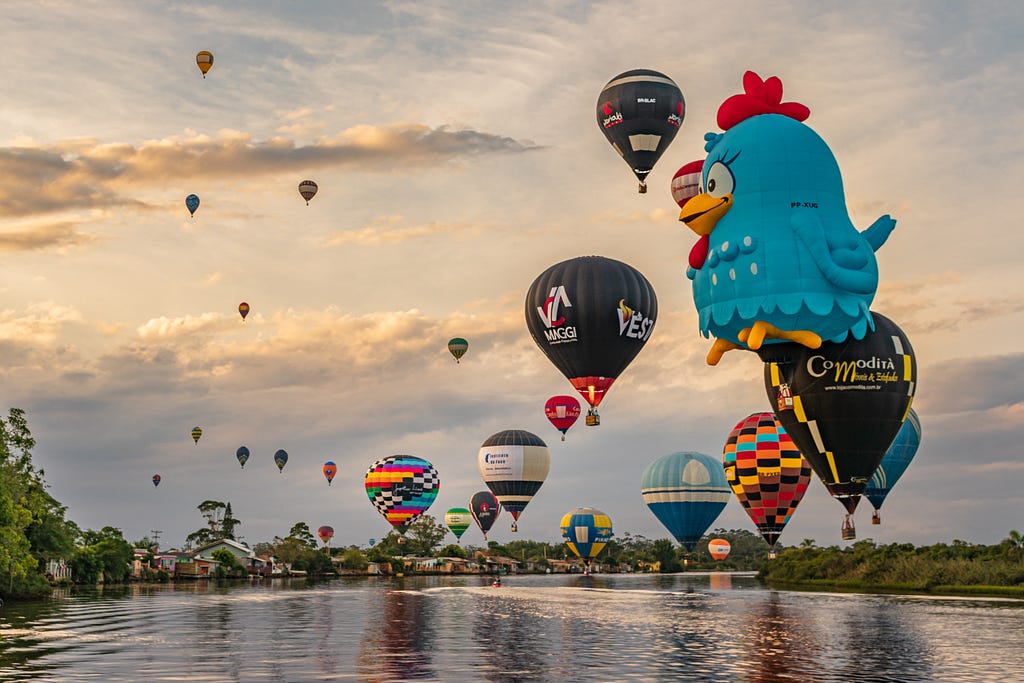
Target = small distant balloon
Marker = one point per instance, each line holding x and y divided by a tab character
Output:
243	310
326	533
242	454
156	480
204	60
458	520
281	459
719	548
196	433
307	188
458	346
562	412
192	203
373	542
330	469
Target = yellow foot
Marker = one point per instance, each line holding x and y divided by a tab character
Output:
755	335
718	349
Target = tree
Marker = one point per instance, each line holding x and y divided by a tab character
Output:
228	563
1017	540
424	535
106	551
665	553
32	524
219	523
452	550
354	559
300	532
228	523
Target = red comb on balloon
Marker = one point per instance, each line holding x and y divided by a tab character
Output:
759	97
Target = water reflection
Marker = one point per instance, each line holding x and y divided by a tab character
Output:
395	643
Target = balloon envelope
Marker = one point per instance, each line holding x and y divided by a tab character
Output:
719	548
204	60
326	533
281	459
686	491
458	346
243	309
686	182
514	464
591	316
242	454
843	403
640	112
562	412
896	460
586	531
458	520
192	203
156	480
307	188
196	433
484	507
766	472
401	487
330	469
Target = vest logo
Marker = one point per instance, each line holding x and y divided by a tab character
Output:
633	324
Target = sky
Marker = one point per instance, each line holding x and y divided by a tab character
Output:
457	155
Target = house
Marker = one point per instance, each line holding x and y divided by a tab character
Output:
58	570
244	555
495	564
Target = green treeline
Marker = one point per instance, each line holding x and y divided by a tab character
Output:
959	567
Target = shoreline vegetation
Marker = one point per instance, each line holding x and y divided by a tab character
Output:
41	549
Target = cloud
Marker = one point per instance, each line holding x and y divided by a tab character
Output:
975	384
65	234
86	173
389	230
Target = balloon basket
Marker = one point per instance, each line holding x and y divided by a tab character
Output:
515	527
640	190
593	419
876	518
849	532
772	554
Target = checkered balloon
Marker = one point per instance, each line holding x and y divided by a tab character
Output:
402	487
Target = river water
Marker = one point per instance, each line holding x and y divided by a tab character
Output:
681	627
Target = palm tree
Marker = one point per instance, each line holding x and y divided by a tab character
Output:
1018	542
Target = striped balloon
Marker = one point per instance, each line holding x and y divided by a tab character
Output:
586	531
458	520
514	464
897	459
401	487
686	492
196	433
766	472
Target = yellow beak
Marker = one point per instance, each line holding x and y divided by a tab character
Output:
703	211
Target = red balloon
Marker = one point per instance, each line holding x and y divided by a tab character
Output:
562	412
686	182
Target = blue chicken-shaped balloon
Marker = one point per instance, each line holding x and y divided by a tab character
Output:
778	258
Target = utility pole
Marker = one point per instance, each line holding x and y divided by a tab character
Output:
155	535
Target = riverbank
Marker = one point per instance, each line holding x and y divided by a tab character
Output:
958	569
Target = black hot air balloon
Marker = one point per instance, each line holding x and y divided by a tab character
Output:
843	404
484	507
591	315
640	111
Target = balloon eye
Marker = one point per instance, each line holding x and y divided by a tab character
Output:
720	181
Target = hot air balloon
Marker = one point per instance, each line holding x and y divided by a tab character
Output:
243	310
458	346
192	203
686	491
196	433
156	480
686	182
307	188
514	464
401	487
372	542
766	472
562	412
843	404
330	469
897	458
204	60
484	507
281	459
586	531
640	112
590	316
326	533
719	548
458	520
242	454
